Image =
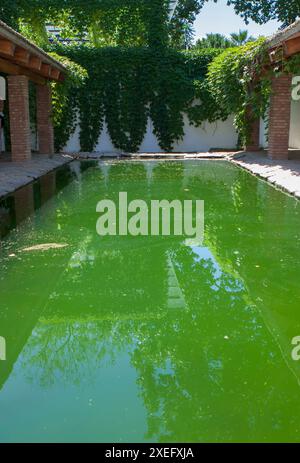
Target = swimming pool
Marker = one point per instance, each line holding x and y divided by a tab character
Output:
139	339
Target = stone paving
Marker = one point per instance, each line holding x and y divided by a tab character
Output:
282	174
15	175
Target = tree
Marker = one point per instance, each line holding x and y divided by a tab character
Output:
241	38
181	26
221	41
9	12
104	22
214	41
262	11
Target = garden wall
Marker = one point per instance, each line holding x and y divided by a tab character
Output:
220	135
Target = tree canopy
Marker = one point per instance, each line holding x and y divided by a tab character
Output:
262	11
104	22
236	39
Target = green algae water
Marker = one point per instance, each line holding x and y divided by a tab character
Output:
149	339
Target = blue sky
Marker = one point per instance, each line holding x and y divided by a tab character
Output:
218	17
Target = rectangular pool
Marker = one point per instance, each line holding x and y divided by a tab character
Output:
149	339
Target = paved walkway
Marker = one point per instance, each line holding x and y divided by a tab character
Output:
16	175
283	174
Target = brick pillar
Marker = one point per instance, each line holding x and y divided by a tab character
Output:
253	144
280	117
44	122
20	132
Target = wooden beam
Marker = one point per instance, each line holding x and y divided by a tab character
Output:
292	46
55	73
7	47
13	69
33	76
21	55
45	70
8	67
35	63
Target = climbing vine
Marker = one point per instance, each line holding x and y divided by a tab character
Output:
239	81
124	87
65	98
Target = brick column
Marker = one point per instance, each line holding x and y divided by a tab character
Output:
253	144
20	132
44	122
280	117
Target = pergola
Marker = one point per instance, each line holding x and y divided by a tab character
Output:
22	61
282	46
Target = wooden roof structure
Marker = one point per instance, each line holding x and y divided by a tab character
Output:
19	56
286	41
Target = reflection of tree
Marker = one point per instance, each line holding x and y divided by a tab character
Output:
69	351
209	370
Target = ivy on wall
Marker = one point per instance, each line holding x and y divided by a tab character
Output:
65	100
124	87
240	81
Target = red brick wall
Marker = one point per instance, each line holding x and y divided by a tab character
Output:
19	118
280	117
44	122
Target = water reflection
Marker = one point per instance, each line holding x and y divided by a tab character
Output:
206	331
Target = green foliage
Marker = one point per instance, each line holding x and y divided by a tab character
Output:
181	26
65	98
261	11
139	76
203	107
221	41
241	38
213	41
236	83
125	86
103	22
9	12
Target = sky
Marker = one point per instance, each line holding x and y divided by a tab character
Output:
218	17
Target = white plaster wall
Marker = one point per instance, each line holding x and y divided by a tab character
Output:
295	125
216	135
263	134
